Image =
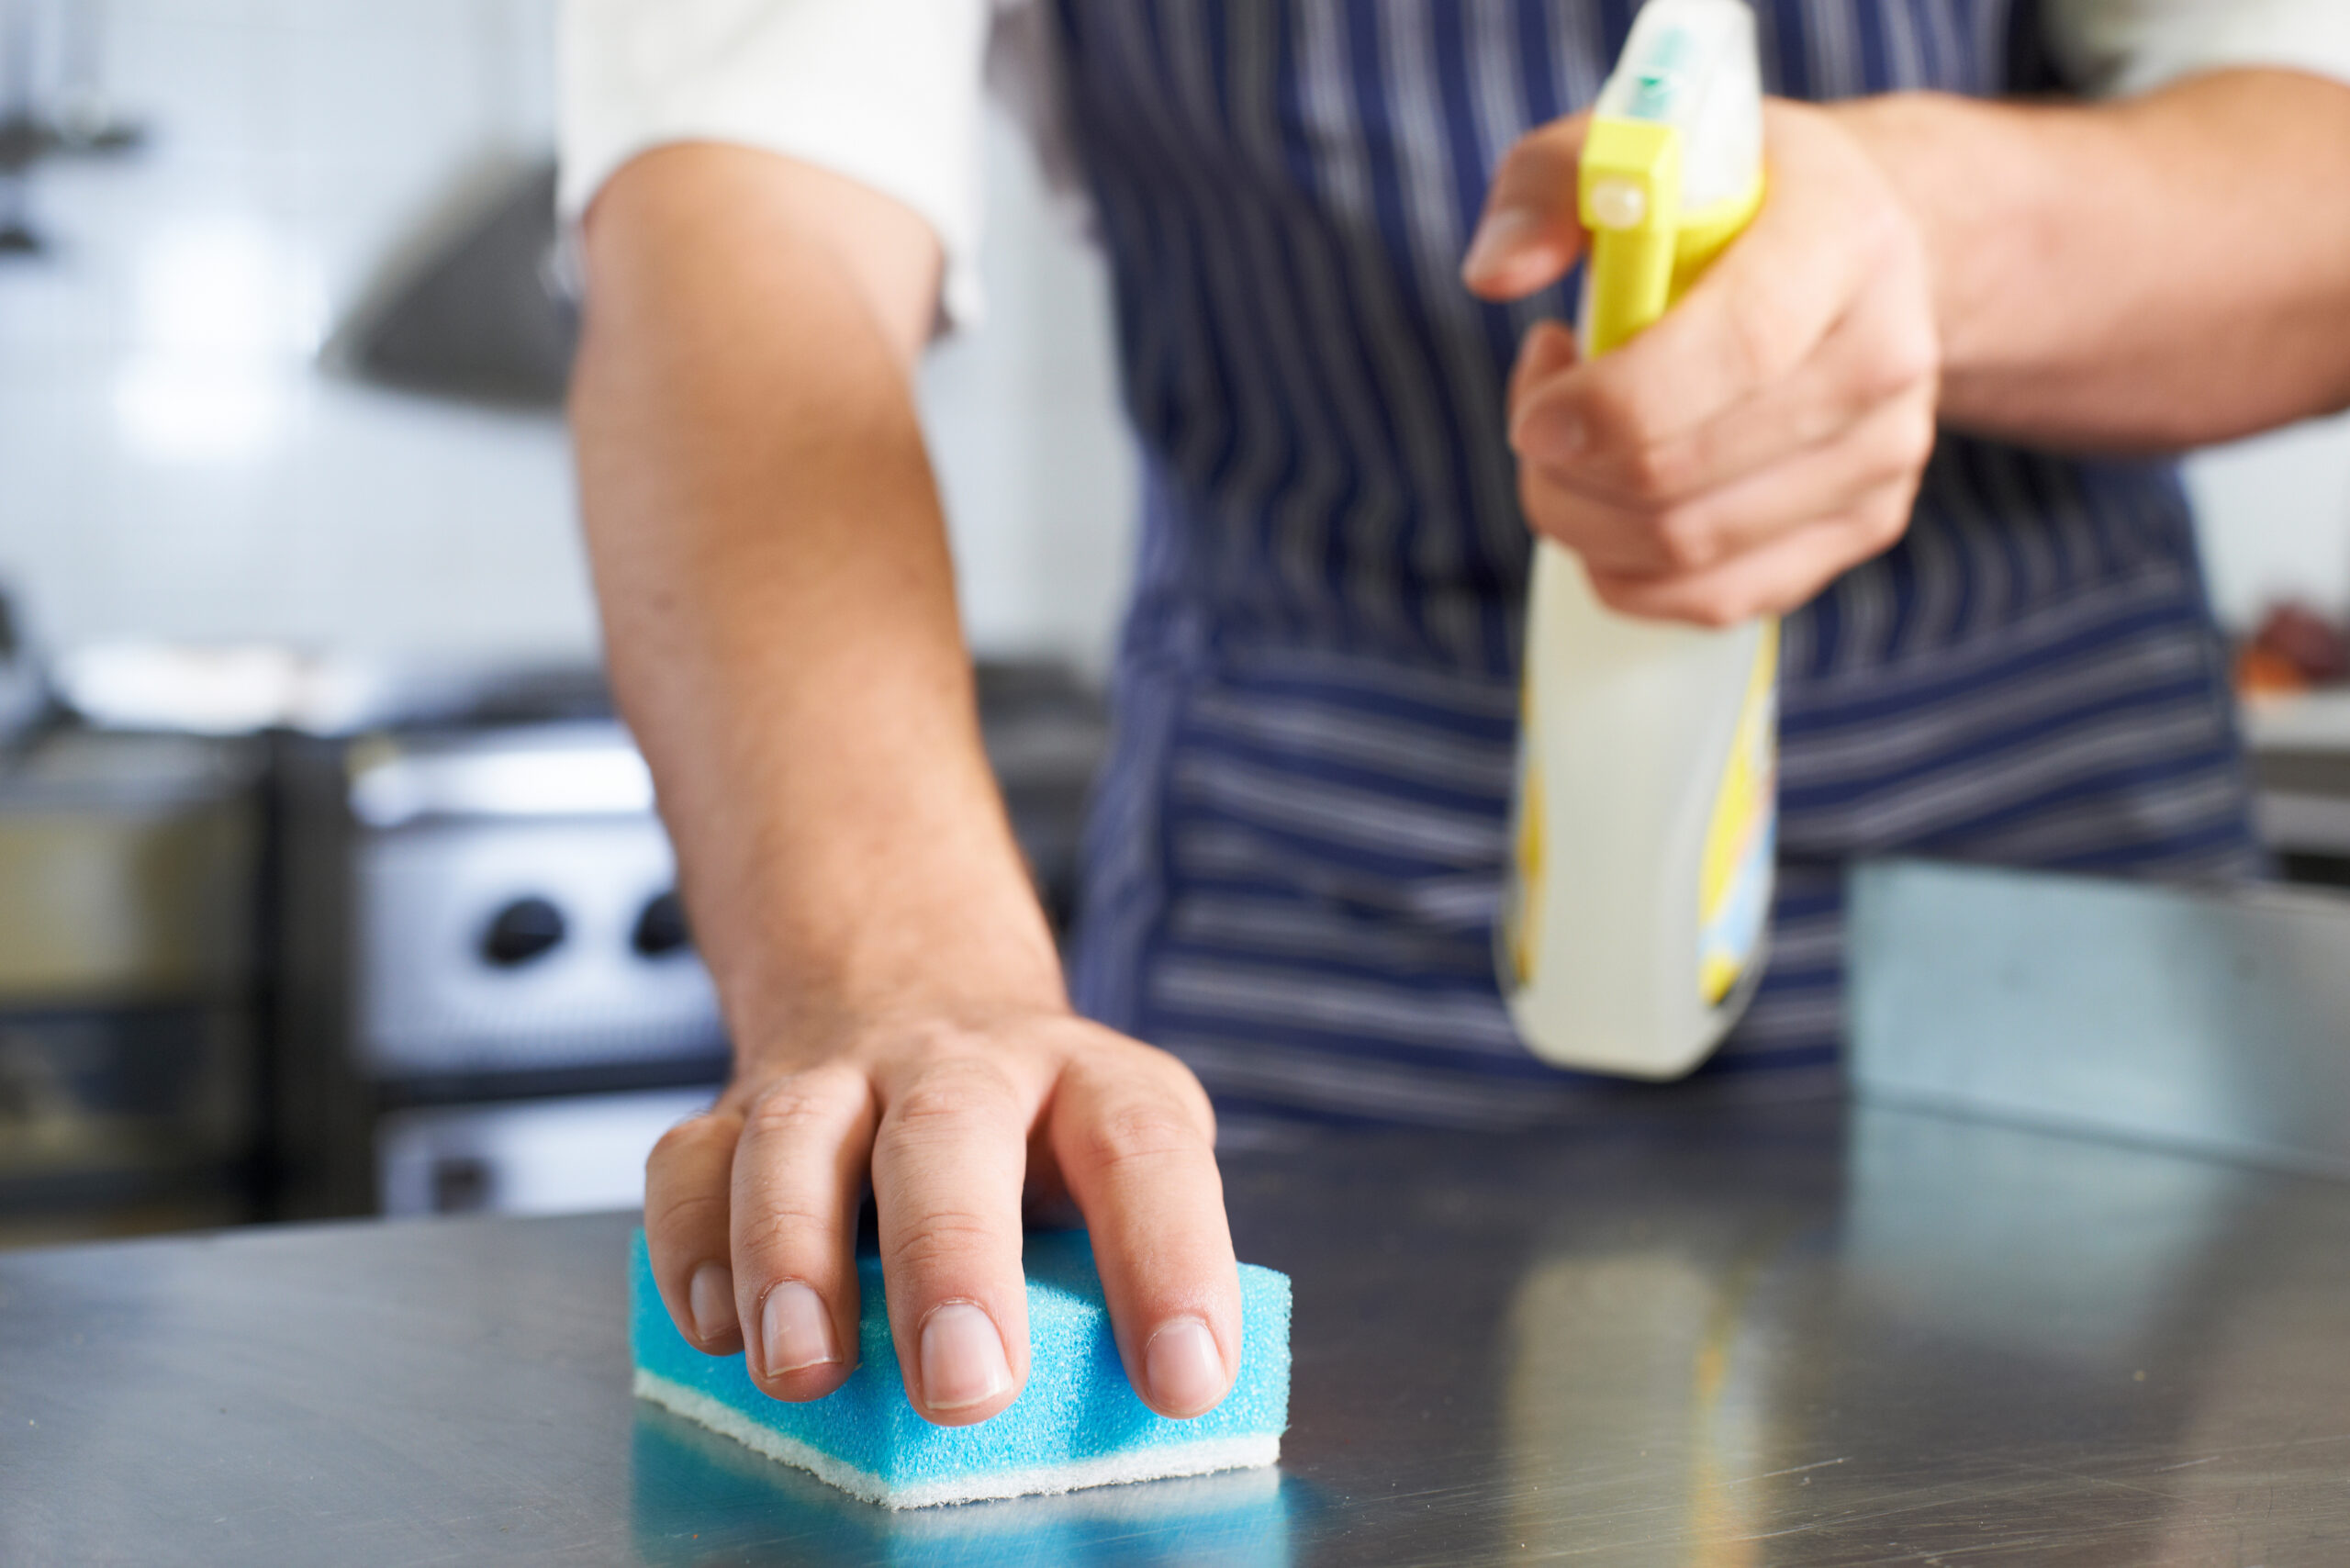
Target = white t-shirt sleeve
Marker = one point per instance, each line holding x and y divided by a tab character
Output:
2114	48
886	92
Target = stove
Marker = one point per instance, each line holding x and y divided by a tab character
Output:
488	993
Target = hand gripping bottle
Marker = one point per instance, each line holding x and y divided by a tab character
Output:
1634	920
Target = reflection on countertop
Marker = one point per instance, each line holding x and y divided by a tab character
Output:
695	1495
1672	1335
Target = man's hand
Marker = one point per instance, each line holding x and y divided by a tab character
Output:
751	1211
780	612
1771	430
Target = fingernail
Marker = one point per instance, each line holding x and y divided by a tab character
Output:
1184	1368
962	1357
1503	231
795	1331
710	1297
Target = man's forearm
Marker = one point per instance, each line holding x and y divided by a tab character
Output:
779	603
2150	275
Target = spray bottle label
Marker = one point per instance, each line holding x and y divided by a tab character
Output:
1741	839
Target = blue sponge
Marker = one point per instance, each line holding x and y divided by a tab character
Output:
1076	1423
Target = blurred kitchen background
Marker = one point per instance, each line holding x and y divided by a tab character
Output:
328	884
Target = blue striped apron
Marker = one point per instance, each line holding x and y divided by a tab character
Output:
1294	858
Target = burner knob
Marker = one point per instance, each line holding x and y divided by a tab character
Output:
526	929
660	928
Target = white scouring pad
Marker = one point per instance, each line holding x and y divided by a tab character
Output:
1078	1422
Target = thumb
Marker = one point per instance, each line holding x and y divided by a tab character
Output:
1531	232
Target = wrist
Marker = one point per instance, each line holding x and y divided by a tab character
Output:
1910	138
902	976
832	1030
1981	185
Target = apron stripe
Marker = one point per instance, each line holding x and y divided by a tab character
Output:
1296	856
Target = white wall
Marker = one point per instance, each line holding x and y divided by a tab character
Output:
173	465
2275	515
171	462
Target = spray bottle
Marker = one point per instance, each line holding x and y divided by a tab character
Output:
1634	922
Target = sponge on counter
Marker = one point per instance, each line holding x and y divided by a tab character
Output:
1078	1422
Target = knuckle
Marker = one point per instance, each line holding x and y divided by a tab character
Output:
1922	434
1751	348
779	1230
1659	470
1888	522
791	1113
1616	593
1905	358
1713	615
1717	610
1905	446
685	1139
1760	347
1140	1133
941	1239
685	1214
1155	1081
1684	538
1558	514
947	1094
1612	412
1876	234
1185	1085
1917	350
1883	232
1880	378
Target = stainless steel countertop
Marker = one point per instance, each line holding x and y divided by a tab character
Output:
1685	1338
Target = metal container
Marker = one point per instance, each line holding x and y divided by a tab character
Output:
130	879
2211	1019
